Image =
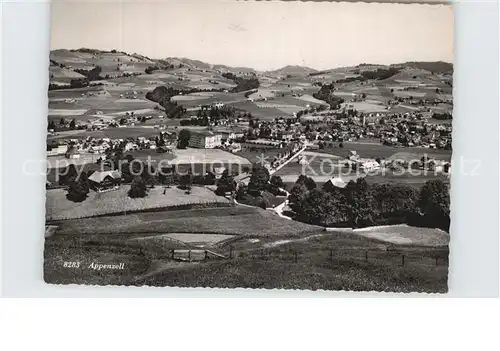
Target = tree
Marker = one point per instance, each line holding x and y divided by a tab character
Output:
225	184
185	181
68	175
51	125
76	191
78	185
72	124
259	178
84	181
241	192
315	207
446	167
341	145
308	182
138	188
62	122
183	139
434	203
277	182
297	196
360	203
394	203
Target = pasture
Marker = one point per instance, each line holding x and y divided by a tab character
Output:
416	180
207	156
239	220
267	113
119	133
316	165
104	103
370	150
367	106
338	262
406	235
117	201
254	155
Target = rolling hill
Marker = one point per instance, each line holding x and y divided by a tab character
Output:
435	67
293	71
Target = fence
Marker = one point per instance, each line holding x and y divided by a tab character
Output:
437	258
191	255
409	257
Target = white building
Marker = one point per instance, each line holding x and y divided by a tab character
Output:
369	165
205	139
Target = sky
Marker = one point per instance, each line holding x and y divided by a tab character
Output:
261	35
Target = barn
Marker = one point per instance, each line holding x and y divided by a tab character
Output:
105	180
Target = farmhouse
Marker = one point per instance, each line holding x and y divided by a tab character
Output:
205	139
104	181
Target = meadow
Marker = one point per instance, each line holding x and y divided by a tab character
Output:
335	261
374	150
405	234
117	201
239	220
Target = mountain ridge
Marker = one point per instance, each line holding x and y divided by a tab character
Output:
432	66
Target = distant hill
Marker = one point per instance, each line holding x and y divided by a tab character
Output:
293	71
188	62
203	65
234	69
435	67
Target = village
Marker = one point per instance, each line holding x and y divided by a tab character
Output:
183	148
241	133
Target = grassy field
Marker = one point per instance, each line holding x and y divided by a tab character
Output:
416	181
372	150
117	201
335	261
207	156
332	261
256	156
246	221
136	252
318	165
113	133
404	234
268	113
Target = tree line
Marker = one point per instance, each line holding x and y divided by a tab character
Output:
242	84
360	204
325	93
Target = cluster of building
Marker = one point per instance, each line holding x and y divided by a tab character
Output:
216	138
395	129
74	148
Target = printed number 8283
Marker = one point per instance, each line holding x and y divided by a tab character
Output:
71	264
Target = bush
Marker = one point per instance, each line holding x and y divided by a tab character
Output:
77	191
183	139
137	188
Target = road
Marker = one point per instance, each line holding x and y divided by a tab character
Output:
287	161
279	209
